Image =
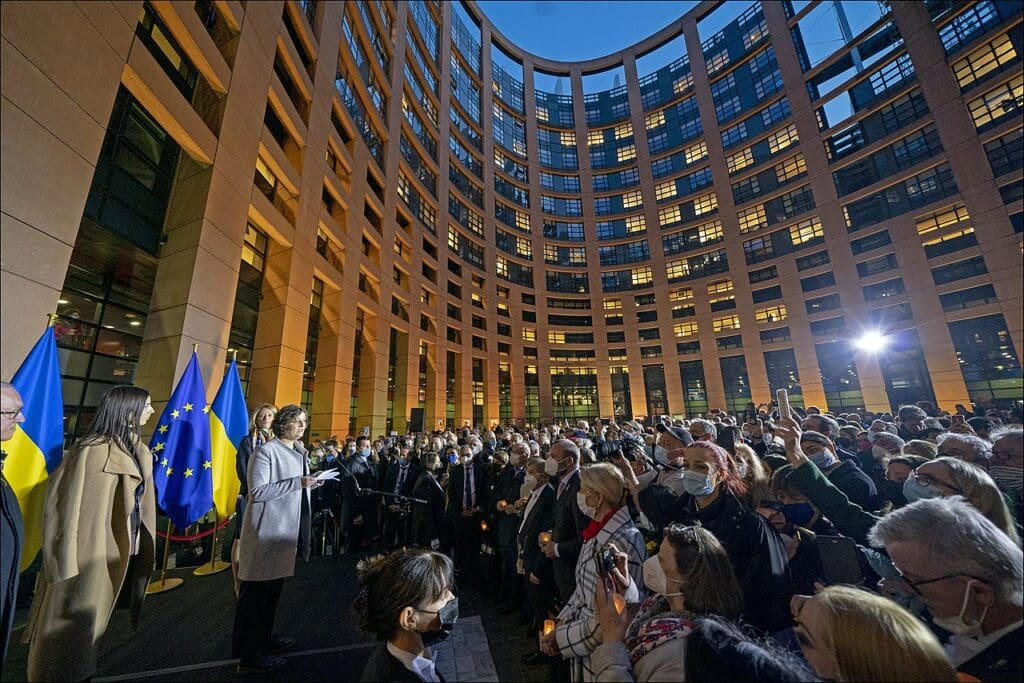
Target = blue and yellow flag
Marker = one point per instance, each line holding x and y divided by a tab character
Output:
182	468
37	446
229	424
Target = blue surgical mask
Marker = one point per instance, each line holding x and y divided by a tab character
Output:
331	458
697	484
798	513
823	460
452	458
365	453
913	491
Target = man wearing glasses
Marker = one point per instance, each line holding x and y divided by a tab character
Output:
12	533
969	574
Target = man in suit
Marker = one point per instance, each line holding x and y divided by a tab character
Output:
359	508
399	479
531	562
507	492
468	490
568	521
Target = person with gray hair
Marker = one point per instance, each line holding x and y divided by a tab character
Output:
1007	466
966	447
11	526
969	574
703	430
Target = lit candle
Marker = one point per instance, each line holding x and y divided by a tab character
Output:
483	526
545	537
549	626
502	505
619	601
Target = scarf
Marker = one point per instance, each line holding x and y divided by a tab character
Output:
653	625
596	525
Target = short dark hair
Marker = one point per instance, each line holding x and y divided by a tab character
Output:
720	651
285	417
408	577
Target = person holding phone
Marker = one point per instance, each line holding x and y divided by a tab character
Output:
601	497
690	576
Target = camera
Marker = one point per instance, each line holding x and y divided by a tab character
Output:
605	561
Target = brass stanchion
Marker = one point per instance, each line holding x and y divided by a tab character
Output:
164	584
215	565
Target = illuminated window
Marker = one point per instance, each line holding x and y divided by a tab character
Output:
770	314
669	216
675	270
502	309
654	120
782	139
705	204
995	104
948	238
635	224
501	266
556	337
805	231
542	114
718	61
613	304
626	153
623	130
568	139
695	153
684	329
984	60
942	219
523	221
791	168
632	199
595	137
665	190
752	219
725	322
723	286
709	232
641	276
680	294
739	160
524	247
453	238
682	84
529	334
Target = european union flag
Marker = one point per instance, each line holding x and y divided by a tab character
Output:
182	468
37	447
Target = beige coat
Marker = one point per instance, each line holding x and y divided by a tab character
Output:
86	553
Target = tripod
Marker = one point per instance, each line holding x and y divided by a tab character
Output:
405	504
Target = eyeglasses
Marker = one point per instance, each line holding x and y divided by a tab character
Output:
916	585
929	480
998	455
11	413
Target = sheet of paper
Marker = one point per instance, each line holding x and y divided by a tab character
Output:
327	475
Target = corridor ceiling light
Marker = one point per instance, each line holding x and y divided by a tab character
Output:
872	342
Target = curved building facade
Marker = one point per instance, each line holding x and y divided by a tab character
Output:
387	210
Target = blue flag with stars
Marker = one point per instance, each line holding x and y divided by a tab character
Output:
182	468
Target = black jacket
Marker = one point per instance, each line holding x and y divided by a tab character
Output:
567	525
456	488
1000	661
382	666
536	522
391	477
757	553
428	521
857	486
12	533
353	503
506	488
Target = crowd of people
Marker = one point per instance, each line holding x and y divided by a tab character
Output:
756	546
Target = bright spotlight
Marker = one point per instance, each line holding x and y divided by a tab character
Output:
872	342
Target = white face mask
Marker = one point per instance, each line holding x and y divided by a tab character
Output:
551	467
957	624
531	481
741	469
588	510
525	490
672	480
655	579
661	454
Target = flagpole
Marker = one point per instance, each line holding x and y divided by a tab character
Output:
215	565
165	584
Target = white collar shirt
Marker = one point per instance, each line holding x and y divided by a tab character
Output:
423	667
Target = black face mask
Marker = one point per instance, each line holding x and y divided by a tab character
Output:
447	615
893	492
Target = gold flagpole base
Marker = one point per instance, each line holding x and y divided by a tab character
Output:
211	568
163	585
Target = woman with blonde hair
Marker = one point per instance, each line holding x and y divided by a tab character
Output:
754	474
601	498
849	634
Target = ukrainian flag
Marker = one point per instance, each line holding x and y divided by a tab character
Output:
37	447
229	424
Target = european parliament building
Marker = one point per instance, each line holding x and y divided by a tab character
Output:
378	207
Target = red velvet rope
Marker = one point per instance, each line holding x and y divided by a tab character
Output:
163	534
